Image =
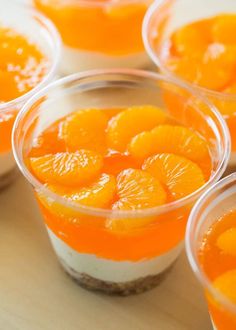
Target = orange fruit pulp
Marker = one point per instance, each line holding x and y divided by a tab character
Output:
101	26
86	158
204	53
217	256
22	67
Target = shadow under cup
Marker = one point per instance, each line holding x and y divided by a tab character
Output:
218	201
96	256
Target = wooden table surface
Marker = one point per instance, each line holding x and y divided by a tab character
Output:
36	294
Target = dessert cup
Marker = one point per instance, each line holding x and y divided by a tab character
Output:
98	34
99	258
214	203
42	33
161	20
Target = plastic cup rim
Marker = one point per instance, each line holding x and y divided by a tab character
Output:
107	212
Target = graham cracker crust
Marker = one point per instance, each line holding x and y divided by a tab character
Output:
112	288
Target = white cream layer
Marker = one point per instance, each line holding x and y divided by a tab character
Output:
7	162
74	60
108	270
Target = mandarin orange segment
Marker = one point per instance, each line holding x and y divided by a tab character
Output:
226	284
180	140
185	67
214	70
136	190
227	105
217	67
130	122
98	194
11	92
169	139
192	38
22	65
226	242
180	175
70	169
85	129
222	29
142	145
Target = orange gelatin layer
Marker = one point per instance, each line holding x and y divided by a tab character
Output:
22	67
86	158
101	25
204	53
218	259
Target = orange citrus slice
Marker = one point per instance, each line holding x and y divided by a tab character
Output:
130	122
214	70
85	129
185	67
227	105
217	67
226	284
136	190
66	168
192	38
222	29
142	145
99	194
180	175
169	139
226	242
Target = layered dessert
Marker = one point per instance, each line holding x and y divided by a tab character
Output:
202	52
217	256
99	33
109	180
23	66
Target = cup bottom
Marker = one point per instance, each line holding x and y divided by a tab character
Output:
8	178
122	289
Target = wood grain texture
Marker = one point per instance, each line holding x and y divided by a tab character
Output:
35	294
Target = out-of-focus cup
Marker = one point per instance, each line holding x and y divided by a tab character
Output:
218	201
161	20
98	34
42	33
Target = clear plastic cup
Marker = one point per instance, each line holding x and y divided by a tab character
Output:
214	203
97	257
98	34
42	33
162	19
